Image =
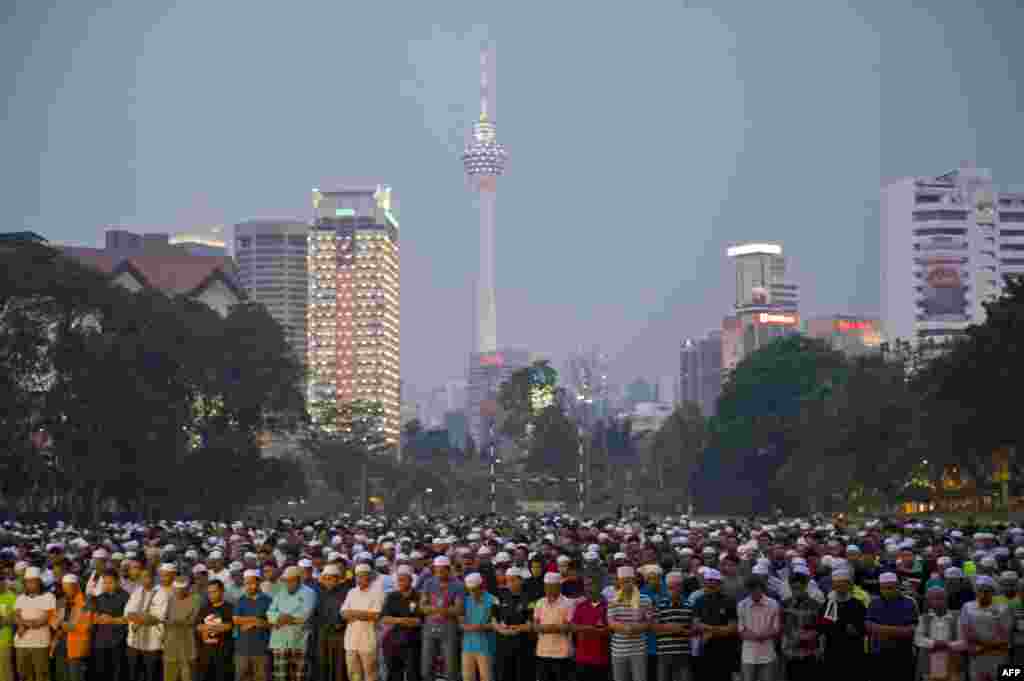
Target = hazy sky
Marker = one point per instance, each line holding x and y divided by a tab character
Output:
644	137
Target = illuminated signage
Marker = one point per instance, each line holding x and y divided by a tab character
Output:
495	360
769	318
753	249
849	325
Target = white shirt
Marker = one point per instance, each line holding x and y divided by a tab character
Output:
154	602
32	608
362	636
758	618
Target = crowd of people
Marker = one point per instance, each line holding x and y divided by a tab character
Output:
538	598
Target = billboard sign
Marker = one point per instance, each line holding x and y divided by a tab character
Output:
777	319
944	294
494	359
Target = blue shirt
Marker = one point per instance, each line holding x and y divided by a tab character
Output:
254	642
652	638
893	612
480	642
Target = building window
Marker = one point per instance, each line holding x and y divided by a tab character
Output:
1011	217
926	215
940	231
928	198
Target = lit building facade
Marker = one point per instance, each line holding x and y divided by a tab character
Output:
271	257
767	304
353	304
700	371
947	241
586	377
850	335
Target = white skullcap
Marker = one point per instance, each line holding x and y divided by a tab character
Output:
216	555
442	561
801	570
20	566
1007	576
474	579
69	579
117	556
404	570
168	567
484	551
954	573
251	573
198	569
761	570
984	582
362	569
563	560
626	572
99	553
292	572
619	556
305	563
841	573
888	578
591	556
518	573
552	578
33	573
181	583
502	557
712	574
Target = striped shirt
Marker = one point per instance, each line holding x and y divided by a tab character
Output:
629	645
669	612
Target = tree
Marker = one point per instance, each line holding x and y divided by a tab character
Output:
523	397
677	447
554	445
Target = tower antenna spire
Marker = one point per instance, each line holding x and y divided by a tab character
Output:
484	84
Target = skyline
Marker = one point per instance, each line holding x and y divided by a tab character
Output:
692	130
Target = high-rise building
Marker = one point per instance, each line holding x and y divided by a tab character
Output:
700	371
848	334
666	390
199	244
586	378
271	256
353	307
767	304
946	243
640	391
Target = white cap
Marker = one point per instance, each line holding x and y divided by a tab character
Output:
801	570
362	569
552	578
563	560
984	581
626	572
712	574
251	573
404	570
100	553
181	583
442	561
33	573
69	579
169	567
305	563
484	551
216	555
888	578
474	579
332	570
199	569
292	572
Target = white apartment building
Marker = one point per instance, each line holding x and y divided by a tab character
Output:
947	242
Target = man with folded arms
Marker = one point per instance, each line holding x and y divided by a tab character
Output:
890	621
253	630
360	611
330	659
34	611
179	633
291	608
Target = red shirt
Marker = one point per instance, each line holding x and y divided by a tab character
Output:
591	648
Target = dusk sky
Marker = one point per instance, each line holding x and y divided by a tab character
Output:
644	138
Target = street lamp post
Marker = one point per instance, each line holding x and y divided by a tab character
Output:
491	456
579	477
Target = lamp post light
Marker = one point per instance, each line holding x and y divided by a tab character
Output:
493	461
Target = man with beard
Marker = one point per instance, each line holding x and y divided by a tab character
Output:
986	627
400	617
937	639
329	625
716	623
253	631
216	645
440	605
515	656
891	620
842	624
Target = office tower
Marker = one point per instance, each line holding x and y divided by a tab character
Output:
946	242
848	334
199	244
666	390
487	371
353	311
271	257
700	371
484	161
586	378
767	305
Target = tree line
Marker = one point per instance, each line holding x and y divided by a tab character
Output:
140	402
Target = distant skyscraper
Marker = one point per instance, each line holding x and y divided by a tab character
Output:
850	335
354	301
271	257
700	375
666	390
946	243
640	391
767	305
198	244
586	378
487	371
484	161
